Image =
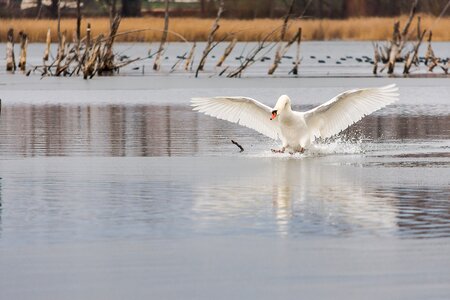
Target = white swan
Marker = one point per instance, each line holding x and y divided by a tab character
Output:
297	130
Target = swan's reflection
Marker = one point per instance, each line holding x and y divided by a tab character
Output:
327	199
306	196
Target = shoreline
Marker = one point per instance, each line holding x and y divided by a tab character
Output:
196	29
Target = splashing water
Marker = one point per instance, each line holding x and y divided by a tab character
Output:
337	146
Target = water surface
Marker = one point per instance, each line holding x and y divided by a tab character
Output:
116	182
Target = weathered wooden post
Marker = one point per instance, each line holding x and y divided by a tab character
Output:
78	20
394	51
376	59
430	59
78	30
157	63
10	60
297	54
107	61
92	57
88	36
47	47
61	54
23	50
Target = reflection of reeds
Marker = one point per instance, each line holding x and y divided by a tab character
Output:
194	29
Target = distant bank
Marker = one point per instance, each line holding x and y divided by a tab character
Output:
196	29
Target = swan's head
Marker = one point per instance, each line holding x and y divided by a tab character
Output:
283	104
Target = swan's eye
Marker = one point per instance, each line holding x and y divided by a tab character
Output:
274	114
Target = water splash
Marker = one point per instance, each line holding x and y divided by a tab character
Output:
337	146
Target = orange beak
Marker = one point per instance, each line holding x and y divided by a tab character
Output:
274	115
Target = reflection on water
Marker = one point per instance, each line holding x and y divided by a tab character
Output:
424	211
60	199
306	197
310	197
111	130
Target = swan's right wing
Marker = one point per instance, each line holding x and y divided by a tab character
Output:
242	110
347	108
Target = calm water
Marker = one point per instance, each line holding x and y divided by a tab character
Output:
318	59
118	176
133	169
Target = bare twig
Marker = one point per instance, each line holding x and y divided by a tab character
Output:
412	57
227	52
412	12
237	144
278	53
189	58
251	57
210	40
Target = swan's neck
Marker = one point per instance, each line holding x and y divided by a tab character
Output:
287	113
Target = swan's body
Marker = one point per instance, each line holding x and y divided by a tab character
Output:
297	130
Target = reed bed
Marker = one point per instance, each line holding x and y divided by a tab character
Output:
195	29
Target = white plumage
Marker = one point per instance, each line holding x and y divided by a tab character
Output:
297	130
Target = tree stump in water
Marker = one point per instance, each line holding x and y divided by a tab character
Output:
23	50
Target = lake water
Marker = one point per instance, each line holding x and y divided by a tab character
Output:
114	188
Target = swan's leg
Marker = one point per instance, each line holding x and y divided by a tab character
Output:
279	151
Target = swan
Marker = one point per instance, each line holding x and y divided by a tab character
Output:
297	130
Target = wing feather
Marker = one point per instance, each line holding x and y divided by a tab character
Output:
241	110
347	108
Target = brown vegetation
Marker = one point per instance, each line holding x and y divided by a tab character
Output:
194	29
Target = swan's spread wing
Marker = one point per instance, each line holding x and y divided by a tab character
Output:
347	108
242	110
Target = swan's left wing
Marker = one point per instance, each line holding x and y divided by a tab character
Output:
347	108
242	110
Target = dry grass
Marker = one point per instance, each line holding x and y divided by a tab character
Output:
194	29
